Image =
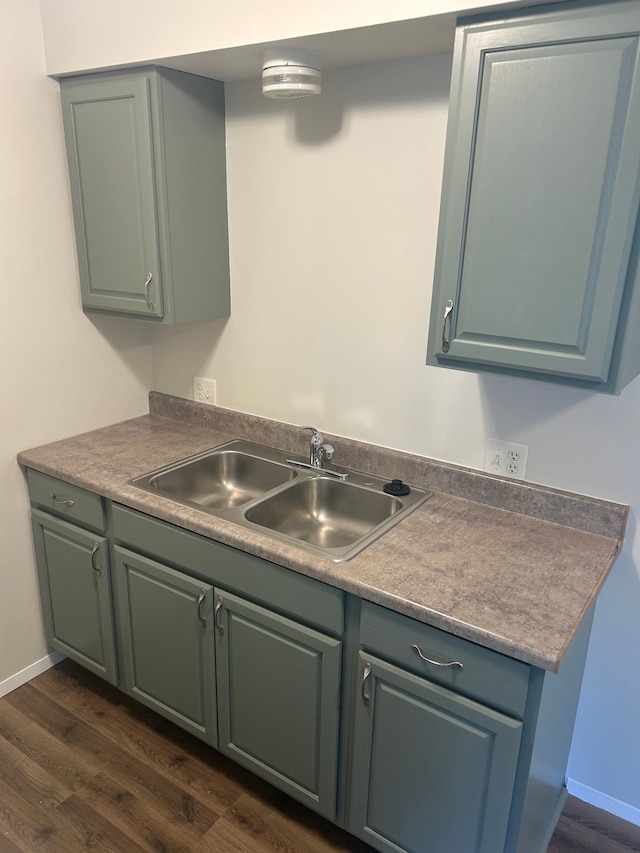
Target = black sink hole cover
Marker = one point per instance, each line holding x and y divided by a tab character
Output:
396	488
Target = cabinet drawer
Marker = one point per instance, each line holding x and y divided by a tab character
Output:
67	501
283	589
486	675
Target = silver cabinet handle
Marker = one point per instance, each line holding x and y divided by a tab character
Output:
94	565
216	615
201	598
365	675
67	502
448	308
454	664
147	285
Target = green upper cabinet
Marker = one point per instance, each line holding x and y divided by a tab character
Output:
537	247
146	153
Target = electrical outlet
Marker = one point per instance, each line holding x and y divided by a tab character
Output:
506	458
204	390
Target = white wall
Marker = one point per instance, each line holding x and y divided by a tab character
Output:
60	373
333	209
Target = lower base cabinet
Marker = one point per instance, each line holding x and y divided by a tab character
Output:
279	699
415	740
165	627
432	770
455	748
244	654
75	590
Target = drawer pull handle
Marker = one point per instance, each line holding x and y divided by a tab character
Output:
216	616
454	664
365	675
96	568
147	285
67	502
448	308
201	598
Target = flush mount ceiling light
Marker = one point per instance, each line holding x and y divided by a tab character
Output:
290	72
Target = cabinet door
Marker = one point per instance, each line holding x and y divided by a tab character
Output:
541	192
165	628
73	572
431	770
278	695
108	131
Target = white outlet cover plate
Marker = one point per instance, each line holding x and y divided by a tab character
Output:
506	458
204	390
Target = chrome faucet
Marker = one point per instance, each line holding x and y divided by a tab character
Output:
318	452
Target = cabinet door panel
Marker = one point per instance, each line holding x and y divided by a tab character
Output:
165	625
73	571
432	771
108	132
278	689
541	195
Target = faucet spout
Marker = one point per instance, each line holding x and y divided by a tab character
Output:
317	448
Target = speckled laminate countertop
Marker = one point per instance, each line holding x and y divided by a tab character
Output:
511	566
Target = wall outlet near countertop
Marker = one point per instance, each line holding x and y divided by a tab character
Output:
204	390
506	458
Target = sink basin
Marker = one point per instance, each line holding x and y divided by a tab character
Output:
222	478
324	512
265	491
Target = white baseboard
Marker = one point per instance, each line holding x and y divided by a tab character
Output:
29	672
604	802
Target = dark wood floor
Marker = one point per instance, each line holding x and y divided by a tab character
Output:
82	767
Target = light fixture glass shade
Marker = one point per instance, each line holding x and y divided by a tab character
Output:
291	73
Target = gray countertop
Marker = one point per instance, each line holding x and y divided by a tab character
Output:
512	579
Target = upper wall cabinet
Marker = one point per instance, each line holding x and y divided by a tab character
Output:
538	248
146	151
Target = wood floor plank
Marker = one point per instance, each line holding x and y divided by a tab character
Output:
605	824
95	832
284	825
175	806
6	844
230	836
584	829
28	779
31	827
42	748
62	724
302	826
66	683
133	816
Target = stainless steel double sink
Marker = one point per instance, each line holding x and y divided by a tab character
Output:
260	488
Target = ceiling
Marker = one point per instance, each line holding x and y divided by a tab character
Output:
339	48
394	40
